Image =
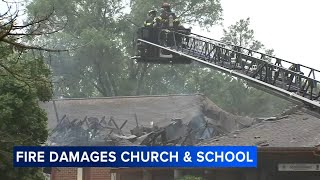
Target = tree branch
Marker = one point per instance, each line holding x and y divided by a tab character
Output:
23	46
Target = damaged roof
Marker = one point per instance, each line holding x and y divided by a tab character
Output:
139	120
298	129
157	109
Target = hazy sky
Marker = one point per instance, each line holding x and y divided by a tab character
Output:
290	27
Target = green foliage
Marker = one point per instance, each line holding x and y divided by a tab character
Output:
231	94
201	12
240	34
101	66
242	97
24	81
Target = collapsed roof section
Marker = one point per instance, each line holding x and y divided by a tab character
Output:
298	128
139	120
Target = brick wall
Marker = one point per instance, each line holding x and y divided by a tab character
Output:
97	174
64	174
88	174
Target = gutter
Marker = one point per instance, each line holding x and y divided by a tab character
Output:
132	97
288	149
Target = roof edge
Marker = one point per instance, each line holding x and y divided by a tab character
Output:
120	97
289	149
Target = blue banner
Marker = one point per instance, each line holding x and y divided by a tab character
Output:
136	156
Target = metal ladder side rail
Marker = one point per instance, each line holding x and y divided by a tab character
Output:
293	76
275	60
296	98
263	76
228	44
198	47
250	57
246	55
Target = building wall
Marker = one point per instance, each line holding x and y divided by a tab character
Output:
64	174
267	169
130	176
81	174
140	174
97	174
161	175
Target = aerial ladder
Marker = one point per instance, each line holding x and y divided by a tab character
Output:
280	77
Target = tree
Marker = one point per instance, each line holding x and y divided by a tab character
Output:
103	66
97	68
24	81
240	34
200	12
242	96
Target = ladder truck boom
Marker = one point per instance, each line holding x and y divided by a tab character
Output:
275	75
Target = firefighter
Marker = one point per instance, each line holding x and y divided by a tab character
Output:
167	16
166	9
157	22
150	32
149	22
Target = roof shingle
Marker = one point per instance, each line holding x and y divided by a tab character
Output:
296	130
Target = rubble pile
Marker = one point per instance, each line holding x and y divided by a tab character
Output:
94	131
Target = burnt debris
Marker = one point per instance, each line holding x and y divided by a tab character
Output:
91	131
